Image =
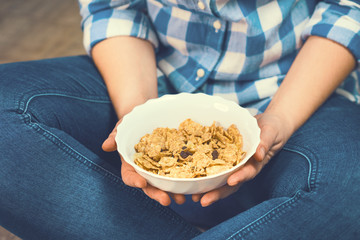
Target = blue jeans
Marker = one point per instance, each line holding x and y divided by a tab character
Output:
57	183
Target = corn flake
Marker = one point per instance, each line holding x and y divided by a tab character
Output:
191	151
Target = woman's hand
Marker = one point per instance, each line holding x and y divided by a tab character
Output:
128	67
274	134
131	178
318	69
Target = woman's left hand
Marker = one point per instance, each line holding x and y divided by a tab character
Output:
308	83
274	134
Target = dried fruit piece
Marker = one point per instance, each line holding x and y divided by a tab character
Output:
191	151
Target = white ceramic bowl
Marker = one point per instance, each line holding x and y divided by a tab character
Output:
170	111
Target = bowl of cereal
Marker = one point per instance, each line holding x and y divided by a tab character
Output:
187	143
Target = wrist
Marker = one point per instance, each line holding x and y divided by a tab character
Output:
126	101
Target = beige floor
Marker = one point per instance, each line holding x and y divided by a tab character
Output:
36	29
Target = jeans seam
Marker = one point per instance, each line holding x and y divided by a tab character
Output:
77	155
266	216
23	105
308	155
50	135
23	110
61	95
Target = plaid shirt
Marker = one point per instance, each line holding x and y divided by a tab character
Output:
240	50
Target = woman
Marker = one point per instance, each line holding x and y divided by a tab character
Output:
282	60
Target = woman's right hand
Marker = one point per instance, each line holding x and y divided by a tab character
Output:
128	66
131	178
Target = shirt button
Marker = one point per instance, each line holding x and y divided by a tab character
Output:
200	73
217	24
201	5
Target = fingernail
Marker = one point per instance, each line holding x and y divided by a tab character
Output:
232	182
207	203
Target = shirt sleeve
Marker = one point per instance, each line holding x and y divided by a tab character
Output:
102	19
338	21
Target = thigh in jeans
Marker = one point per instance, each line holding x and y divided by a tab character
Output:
310	190
55	181
67	94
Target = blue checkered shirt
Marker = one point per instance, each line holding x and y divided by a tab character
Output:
240	50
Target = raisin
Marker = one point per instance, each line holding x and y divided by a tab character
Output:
215	154
185	154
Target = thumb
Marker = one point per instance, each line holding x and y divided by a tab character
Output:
109	145
267	140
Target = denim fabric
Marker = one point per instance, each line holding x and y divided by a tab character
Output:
57	183
310	190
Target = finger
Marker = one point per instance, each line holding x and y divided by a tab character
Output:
260	153
130	177
158	195
268	156
215	195
197	197
267	140
109	145
245	173
178	198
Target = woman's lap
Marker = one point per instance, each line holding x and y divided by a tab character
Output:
310	190
57	180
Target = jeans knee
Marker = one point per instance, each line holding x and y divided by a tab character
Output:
288	172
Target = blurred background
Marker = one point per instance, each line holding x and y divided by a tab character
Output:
37	29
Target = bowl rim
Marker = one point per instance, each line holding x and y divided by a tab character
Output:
180	95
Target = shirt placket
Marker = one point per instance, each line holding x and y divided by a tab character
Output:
212	49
